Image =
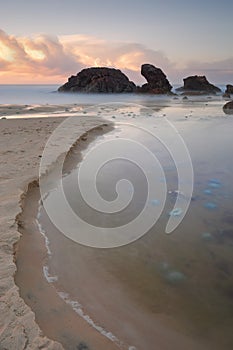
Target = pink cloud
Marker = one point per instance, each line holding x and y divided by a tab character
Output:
51	59
46	59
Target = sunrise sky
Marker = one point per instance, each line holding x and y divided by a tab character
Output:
46	41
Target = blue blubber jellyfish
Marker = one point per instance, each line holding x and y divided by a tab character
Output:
210	205
214	183
207	191
155	202
175	277
207	236
176	212
163	266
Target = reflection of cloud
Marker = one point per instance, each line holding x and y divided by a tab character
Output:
51	59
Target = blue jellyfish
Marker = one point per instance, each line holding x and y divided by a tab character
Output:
206	236
207	191
176	212
210	205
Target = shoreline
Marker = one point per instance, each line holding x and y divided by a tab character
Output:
20	167
55	316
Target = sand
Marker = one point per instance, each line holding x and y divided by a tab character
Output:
21	144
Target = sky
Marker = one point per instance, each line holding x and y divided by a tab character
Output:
46	41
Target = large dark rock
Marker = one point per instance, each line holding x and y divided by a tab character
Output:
229	89
100	80
157	82
198	84
228	107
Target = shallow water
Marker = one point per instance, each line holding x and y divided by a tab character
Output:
182	281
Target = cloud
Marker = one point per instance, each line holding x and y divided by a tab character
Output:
52	59
129	57
47	59
33	59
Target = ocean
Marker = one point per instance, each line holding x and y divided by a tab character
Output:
47	94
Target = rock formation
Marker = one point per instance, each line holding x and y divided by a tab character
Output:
157	82
101	80
198	84
229	89
228	107
110	80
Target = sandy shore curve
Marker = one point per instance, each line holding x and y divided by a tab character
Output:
21	146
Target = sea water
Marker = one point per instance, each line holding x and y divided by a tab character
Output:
47	94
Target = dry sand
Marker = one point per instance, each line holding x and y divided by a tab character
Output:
21	145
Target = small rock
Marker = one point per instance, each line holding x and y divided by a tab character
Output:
82	346
226	95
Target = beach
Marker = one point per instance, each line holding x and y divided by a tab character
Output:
116	191
126	295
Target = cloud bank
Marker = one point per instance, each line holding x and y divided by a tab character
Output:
46	59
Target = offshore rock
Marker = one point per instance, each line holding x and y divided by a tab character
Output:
198	84
157	82
229	89
99	80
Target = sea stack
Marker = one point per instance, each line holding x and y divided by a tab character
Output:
229	89
157	82
99	80
196	84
